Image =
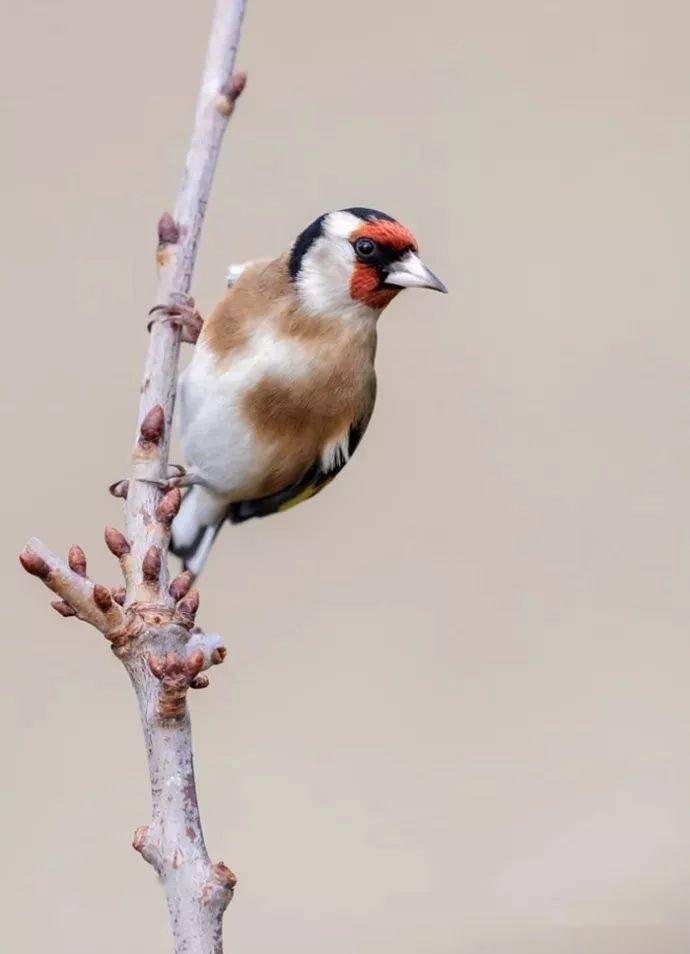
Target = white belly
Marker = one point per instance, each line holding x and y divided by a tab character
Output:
216	440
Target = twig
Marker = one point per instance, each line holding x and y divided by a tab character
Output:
151	624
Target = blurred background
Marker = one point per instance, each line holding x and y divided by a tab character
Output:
454	717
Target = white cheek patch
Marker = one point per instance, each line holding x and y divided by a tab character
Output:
324	278
326	270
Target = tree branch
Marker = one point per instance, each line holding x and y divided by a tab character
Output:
151	622
178	238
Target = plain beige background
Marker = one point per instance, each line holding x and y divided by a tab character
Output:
455	713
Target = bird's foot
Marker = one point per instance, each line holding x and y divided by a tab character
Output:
175	472
179	478
180	314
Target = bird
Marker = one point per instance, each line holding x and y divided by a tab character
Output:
281	384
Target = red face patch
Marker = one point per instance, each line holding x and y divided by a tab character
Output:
365	284
391	234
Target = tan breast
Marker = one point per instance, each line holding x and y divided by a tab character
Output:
293	419
263	287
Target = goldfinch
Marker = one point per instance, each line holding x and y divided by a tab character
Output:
281	385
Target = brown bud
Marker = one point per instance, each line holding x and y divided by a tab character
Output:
218	655
168	232
151	567
157	666
153	425
189	605
34	564
168	506
119	594
116	542
77	560
180	585
235	85
140	836
119	489
230	93
199	682
224	876
63	608
102	598
194	663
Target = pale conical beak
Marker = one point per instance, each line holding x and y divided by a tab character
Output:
411	272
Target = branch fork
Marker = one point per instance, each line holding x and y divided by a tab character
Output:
150	621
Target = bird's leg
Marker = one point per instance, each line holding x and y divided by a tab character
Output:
183	478
181	314
175	472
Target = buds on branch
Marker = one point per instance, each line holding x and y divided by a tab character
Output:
168	232
34	565
102	597
166	511
151	565
230	93
79	596
119	489
180	585
153	426
189	606
77	560
175	676
116	542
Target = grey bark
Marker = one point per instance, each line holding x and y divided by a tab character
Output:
151	624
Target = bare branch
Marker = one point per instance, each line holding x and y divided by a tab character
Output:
197	891
150	622
178	241
73	587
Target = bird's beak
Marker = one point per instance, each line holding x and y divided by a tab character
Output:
411	272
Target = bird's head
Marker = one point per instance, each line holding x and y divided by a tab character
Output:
356	260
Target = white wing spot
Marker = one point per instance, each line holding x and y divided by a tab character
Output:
336	455
234	272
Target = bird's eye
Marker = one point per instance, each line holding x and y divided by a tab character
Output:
365	248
